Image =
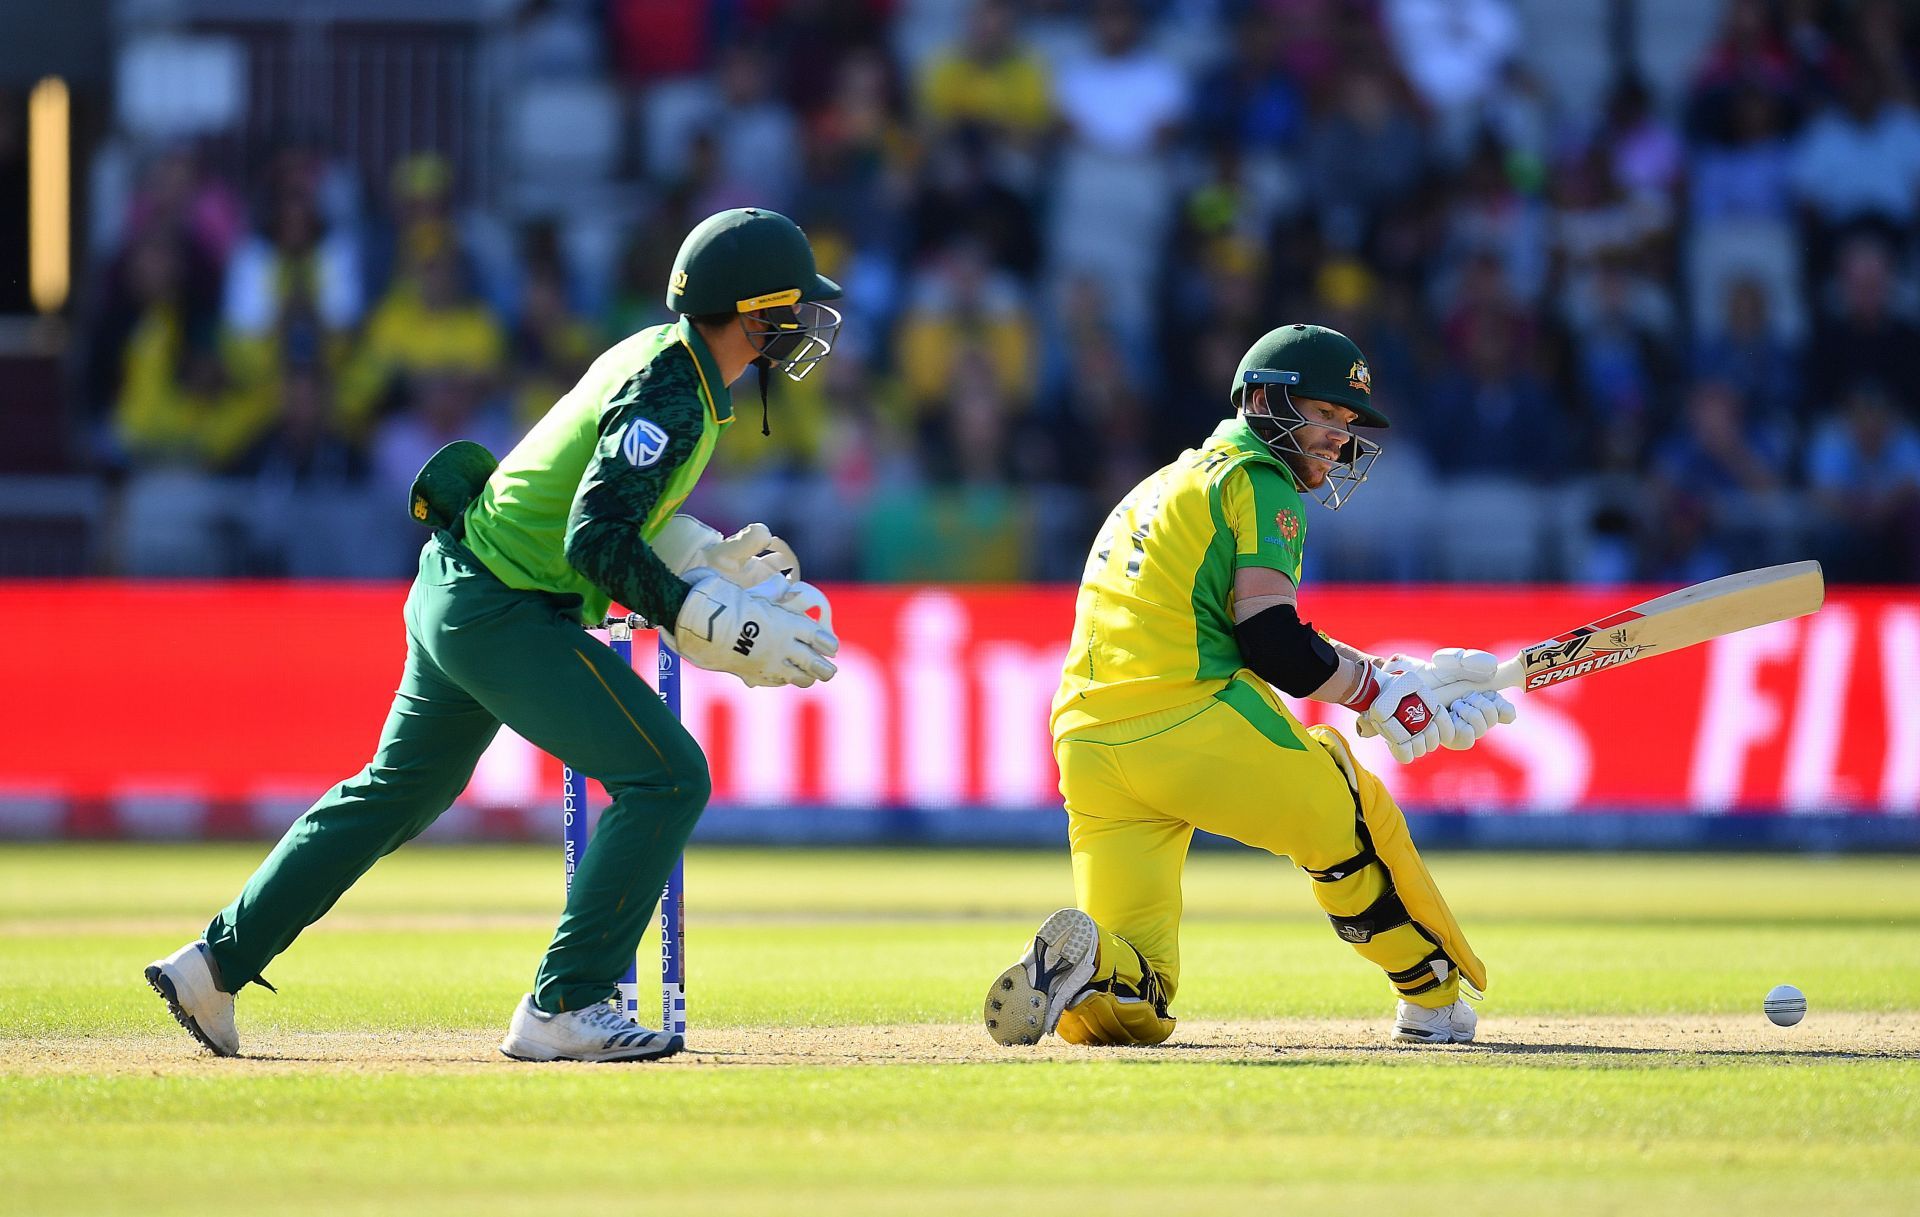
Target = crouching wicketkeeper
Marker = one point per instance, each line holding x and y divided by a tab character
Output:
523	558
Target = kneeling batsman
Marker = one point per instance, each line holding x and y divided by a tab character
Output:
749	612
1167	720
1105	973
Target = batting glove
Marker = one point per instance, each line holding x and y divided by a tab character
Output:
1400	708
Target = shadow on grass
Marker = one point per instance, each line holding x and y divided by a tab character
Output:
1684	1054
1811	920
1542	1054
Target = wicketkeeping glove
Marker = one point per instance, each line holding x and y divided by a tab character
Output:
803	598
748	558
725	628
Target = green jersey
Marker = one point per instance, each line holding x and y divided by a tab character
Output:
572	508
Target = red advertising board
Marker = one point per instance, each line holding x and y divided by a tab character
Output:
151	707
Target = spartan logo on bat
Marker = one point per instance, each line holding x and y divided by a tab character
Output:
1558	651
1564	659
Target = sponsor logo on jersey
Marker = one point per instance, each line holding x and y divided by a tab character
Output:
642	443
1358	377
1288	522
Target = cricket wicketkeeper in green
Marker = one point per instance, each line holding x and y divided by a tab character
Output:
526	554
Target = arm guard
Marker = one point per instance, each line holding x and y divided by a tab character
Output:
1286	652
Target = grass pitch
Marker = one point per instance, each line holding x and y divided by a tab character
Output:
837	1063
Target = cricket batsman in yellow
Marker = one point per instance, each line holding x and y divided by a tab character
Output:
1166	720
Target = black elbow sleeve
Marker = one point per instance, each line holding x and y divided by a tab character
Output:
1285	651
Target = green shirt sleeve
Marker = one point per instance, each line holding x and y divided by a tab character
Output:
1263	509
649	429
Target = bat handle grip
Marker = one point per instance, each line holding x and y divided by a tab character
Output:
1511	674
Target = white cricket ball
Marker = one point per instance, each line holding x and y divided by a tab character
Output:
1785	1005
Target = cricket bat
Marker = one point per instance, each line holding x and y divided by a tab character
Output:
1668	623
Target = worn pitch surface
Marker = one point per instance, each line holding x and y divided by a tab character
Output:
1616	1040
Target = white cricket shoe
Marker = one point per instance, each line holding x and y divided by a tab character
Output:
185	980
1027	1000
1448	1025
598	1033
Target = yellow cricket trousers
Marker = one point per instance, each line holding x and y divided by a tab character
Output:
1240	765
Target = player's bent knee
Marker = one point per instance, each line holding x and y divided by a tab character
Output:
1383	901
692	778
1108	1019
680	778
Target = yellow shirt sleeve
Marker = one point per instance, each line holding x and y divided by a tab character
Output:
1263	509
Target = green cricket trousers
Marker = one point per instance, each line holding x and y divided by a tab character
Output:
480	654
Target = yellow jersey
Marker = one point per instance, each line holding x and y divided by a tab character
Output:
1153	622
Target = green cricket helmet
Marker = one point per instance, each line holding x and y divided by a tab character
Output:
1309	361
751	260
451	479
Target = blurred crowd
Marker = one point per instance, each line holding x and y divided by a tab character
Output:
1667	337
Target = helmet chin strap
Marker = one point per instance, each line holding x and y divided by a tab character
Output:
764	366
794	342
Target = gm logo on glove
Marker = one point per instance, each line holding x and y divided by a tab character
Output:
643	443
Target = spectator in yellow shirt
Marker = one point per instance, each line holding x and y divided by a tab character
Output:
962	306
180	403
428	323
989	79
179	398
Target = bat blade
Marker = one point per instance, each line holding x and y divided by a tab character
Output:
1668	623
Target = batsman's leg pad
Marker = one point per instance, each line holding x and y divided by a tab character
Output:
1112	1019
1407	905
1125	1002
1122	968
